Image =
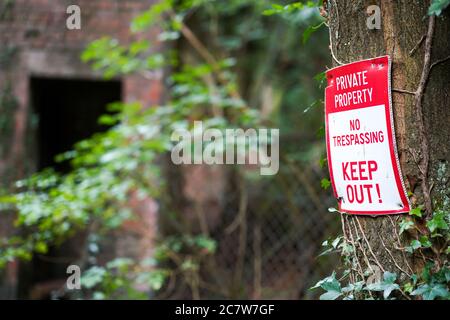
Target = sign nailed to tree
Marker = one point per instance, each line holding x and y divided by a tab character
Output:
362	155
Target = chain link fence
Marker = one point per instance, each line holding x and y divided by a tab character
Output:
270	236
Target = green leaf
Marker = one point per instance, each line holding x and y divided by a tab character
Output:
332	287
119	263
437	222
414	245
425	242
417	211
157	278
325	183
207	243
437	6
387	285
354	287
431	292
321	78
289	8
330	295
310	30
389	277
447	274
408	287
151	16
41	247
406	224
92	277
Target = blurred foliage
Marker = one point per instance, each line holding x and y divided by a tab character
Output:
252	71
437	6
122	278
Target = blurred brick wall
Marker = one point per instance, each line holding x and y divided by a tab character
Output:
34	41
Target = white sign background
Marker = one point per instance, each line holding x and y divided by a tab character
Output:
372	119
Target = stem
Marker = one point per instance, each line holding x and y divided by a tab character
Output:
420	117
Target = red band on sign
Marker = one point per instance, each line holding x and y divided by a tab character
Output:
362	154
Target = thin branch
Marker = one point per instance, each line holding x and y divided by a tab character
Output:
417	45
404	91
420	117
368	245
352	241
392	256
344	233
400	244
331	37
439	61
203	51
363	251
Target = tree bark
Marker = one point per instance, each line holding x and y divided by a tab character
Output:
418	45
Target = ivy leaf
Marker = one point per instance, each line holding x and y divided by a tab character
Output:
389	277
416	212
437	222
425	242
387	285
406	224
323	162
330	295
430	292
408	287
447	274
332	287
414	245
325	183
336	242
354	287
437	6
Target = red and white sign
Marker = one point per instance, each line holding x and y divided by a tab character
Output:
362	155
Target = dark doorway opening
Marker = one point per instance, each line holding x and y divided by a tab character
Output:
68	111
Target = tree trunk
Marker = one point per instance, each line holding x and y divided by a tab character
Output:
420	97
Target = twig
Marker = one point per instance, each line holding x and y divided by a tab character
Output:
363	251
413	154
404	91
420	118
344	233
392	257
368	246
417	45
439	61
204	53
331	40
358	264
352	241
400	244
